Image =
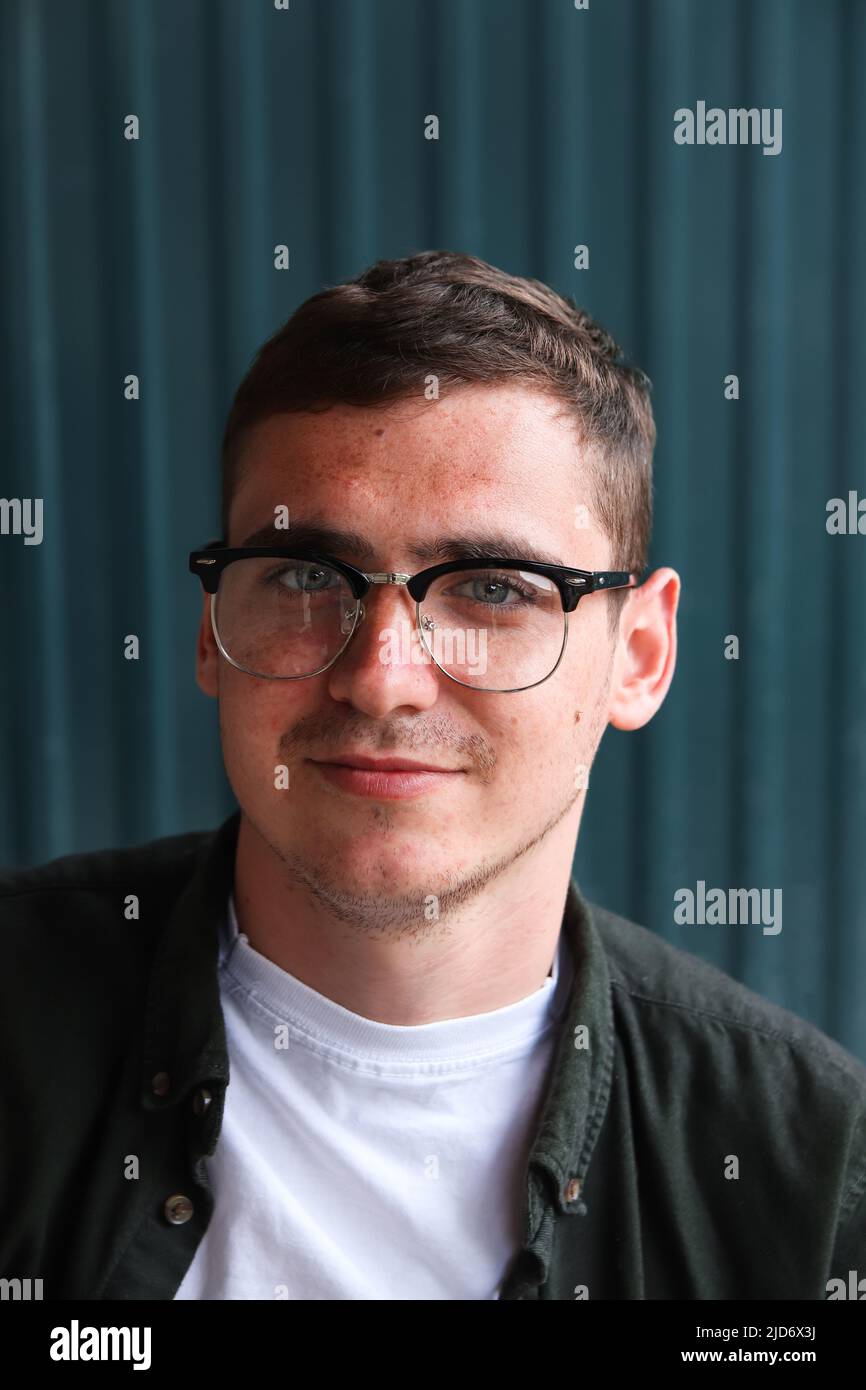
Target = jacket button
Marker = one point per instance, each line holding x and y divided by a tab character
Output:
178	1209
201	1100
160	1083
572	1189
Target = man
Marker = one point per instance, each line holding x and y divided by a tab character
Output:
368	1041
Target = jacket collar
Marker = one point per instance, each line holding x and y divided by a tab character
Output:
185	1042
580	1080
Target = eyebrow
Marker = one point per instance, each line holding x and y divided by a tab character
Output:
315	537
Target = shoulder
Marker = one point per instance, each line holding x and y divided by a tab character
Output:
79	936
673	989
697	1046
81	905
95	869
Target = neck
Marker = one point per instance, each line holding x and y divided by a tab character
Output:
493	943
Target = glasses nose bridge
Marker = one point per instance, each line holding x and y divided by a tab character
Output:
398	577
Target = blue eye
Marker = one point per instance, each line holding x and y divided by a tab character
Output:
309	578
505	584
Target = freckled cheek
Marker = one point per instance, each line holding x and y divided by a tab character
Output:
532	751
256	714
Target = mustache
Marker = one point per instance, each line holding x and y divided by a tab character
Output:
320	737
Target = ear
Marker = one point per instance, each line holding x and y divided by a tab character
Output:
207	653
646	651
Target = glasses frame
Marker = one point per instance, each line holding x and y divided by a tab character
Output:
209	562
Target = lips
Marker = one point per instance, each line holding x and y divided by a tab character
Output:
384	764
391	779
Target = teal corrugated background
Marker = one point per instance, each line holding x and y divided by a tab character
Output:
305	127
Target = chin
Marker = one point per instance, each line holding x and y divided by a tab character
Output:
393	863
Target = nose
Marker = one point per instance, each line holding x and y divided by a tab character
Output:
385	666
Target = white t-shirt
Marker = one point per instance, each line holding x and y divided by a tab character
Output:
368	1160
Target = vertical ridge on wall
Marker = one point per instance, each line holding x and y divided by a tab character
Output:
49	812
841	791
149	222
766	513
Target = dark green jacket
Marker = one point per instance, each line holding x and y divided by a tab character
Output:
113	1051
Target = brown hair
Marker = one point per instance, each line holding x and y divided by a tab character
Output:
377	338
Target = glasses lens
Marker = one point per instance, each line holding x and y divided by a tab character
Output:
279	617
499	629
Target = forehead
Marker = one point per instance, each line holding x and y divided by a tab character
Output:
503	455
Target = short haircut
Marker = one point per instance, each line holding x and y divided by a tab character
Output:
380	337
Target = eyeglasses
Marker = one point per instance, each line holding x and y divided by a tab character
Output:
493	624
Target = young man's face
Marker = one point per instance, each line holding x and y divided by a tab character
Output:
492	459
